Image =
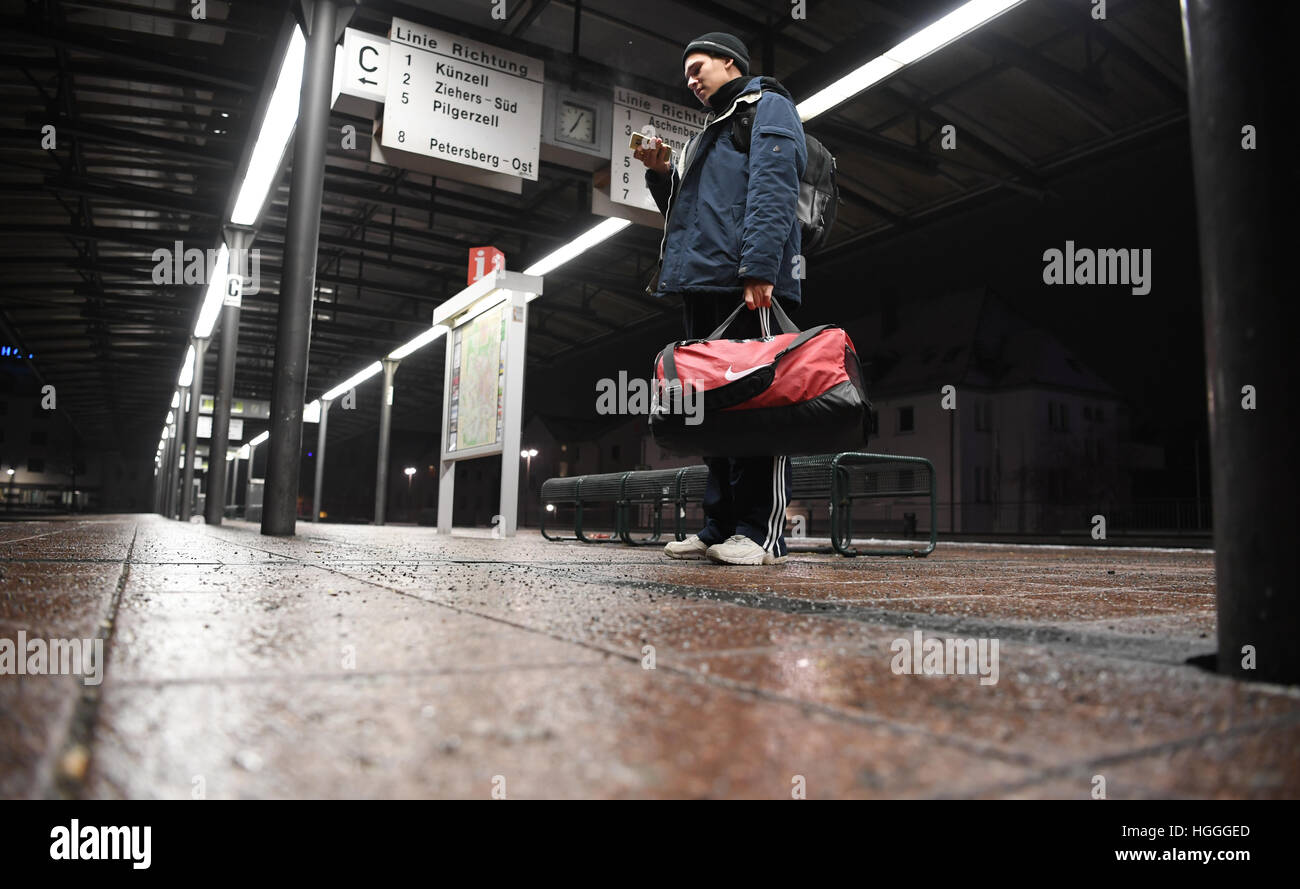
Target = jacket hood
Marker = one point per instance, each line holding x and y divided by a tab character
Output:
767	83
755	84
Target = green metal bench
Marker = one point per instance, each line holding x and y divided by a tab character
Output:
690	489
859	476
839	480
653	487
557	492
583	492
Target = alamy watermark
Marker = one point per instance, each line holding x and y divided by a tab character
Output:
945	657
89	843
181	265
638	397
53	657
1083	265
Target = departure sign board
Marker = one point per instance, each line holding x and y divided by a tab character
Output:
673	123
462	101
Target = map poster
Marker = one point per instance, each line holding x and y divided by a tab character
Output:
475	409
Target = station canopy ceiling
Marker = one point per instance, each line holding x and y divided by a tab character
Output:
153	113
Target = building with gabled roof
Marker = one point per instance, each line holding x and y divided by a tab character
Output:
1027	439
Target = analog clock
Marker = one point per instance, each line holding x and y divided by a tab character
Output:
577	123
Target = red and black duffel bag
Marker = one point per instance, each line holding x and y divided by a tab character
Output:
794	393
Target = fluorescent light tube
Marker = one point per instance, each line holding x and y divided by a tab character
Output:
273	135
187	369
355	379
962	20
213	298
578	245
419	342
966	18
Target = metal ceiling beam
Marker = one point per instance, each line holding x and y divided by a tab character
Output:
188	151
185	19
82	41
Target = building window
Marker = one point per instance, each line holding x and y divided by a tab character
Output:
983	415
1058	416
906	420
875	422
35	464
613	452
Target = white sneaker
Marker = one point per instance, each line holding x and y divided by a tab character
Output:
740	550
690	548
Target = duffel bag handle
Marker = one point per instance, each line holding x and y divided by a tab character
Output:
782	319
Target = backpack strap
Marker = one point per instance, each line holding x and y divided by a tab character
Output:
742	125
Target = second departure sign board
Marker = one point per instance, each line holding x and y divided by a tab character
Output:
462	101
673	123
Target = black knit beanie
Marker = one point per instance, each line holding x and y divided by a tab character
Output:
720	44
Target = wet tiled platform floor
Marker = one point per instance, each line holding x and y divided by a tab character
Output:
353	661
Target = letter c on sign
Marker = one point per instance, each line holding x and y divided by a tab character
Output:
361	58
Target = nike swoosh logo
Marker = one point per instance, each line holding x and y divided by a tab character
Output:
735	376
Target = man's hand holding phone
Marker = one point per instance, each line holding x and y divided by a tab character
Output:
652	151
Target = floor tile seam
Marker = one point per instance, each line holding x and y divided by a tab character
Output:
281	677
696	676
863	718
1135	617
230	541
79	734
888	618
959	596
34	536
1090	766
406	594
600	571
18	560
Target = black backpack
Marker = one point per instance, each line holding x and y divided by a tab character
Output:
818	194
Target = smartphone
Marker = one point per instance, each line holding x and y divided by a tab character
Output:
638	140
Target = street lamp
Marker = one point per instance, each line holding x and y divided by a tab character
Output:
410	476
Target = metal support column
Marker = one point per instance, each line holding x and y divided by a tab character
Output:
160	499
248	481
320	459
233	482
298	281
192	428
385	427
516	355
174	470
237	241
1239	75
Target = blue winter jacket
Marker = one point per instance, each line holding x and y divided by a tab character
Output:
730	215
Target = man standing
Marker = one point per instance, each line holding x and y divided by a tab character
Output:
731	231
